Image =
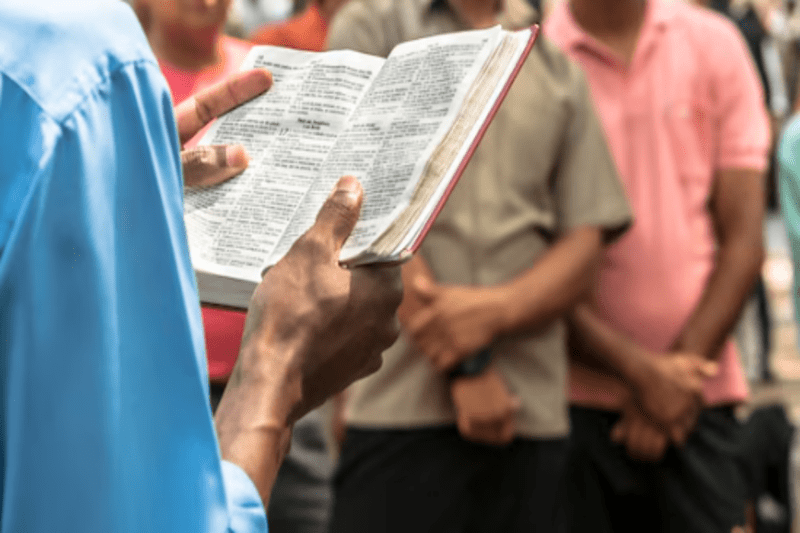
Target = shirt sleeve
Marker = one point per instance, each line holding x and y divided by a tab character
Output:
587	186
245	510
789	194
737	103
356	27
106	420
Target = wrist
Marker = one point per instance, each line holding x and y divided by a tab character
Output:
640	368
472	366
686	344
267	383
504	310
257	451
255	416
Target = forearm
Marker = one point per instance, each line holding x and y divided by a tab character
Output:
602	346
737	211
254	421
450	323
553	285
731	282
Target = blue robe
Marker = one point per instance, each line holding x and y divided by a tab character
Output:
104	408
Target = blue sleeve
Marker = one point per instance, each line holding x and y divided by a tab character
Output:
245	509
789	194
105	416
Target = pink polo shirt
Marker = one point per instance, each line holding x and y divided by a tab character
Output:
689	103
223	328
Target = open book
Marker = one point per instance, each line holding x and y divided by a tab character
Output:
405	126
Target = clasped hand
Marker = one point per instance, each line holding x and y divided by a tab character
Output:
664	406
486	411
447	323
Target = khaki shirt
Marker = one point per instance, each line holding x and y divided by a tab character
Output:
541	169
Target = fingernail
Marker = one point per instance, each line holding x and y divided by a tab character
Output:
350	190
237	157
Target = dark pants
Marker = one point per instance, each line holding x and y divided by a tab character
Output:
697	488
432	480
767	449
302	495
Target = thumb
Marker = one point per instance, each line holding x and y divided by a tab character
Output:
709	369
339	213
424	287
204	166
516	404
678	435
464	424
619	431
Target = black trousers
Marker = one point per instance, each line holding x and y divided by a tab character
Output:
697	488
432	480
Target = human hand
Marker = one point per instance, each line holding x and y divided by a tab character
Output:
485	409
204	166
643	440
324	324
338	422
313	327
453	322
413	270
672	392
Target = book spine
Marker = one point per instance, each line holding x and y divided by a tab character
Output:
463	165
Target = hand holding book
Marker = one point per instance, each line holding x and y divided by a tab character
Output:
204	166
404	126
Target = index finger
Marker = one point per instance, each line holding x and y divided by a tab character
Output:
195	112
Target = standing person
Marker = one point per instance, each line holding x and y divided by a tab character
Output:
789	189
193	53
103	410
433	444
654	435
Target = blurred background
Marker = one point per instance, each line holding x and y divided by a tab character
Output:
768	335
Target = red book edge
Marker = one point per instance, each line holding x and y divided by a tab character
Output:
464	162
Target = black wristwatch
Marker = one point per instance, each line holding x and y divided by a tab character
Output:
472	366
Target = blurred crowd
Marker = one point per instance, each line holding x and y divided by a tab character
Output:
566	360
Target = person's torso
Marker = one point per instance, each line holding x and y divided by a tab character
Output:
499	219
659	118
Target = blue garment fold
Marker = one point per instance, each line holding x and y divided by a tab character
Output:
104	408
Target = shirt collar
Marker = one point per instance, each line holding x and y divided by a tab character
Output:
658	15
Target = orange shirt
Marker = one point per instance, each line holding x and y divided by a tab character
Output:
306	31
223	328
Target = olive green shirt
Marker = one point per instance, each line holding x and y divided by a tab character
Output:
542	169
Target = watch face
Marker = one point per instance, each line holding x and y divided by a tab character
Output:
473	365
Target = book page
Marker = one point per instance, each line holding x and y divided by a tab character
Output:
288	132
407	111
459	141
